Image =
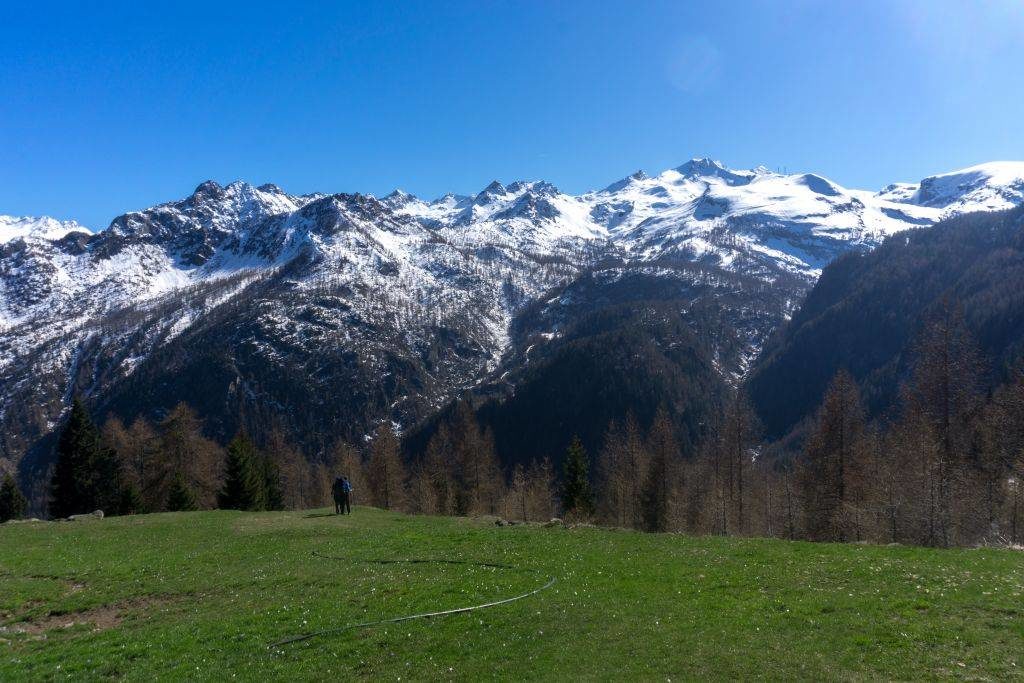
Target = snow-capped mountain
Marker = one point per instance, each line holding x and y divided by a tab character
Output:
44	228
987	187
736	219
328	313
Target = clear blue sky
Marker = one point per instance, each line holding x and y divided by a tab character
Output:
111	107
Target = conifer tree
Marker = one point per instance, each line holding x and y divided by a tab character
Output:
243	481
273	493
517	493
659	492
12	502
613	478
739	432
87	475
577	498
180	497
130	502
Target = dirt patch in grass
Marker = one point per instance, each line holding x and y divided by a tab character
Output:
100	618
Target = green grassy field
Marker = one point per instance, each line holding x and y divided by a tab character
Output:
200	595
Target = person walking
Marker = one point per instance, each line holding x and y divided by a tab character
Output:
337	492
346	496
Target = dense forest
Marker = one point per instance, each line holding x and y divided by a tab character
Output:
866	309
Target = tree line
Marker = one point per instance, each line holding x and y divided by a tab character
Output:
171	466
943	468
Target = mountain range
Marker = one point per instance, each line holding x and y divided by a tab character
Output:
326	314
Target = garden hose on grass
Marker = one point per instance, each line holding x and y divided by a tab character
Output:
425	615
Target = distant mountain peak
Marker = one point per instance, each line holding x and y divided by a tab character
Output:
638	176
208	188
42	227
706	167
702	166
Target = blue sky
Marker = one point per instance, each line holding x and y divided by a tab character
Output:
111	107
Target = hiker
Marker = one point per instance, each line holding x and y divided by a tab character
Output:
346	496
338	492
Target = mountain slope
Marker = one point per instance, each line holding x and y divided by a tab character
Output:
326	314
866	309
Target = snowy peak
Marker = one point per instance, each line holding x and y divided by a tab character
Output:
398	199
43	227
986	187
709	168
625	182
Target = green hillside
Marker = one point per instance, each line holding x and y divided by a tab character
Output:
200	596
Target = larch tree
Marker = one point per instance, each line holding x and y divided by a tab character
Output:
386	471
738	436
295	473
541	492
137	447
940	403
832	473
438	471
614	477
660	492
186	454
345	460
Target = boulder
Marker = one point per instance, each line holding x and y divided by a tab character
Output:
87	516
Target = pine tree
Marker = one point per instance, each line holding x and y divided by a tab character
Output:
12	502
577	498
130	502
273	494
243	481
87	475
180	497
